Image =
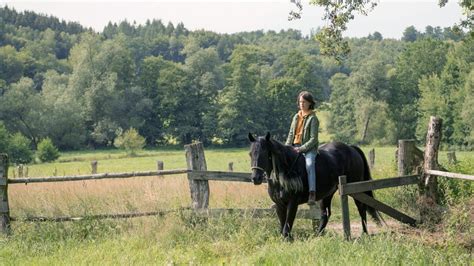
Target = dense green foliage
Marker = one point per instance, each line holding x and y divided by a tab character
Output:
130	141
82	88
47	152
17	146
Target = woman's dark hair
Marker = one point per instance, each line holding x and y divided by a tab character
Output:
308	97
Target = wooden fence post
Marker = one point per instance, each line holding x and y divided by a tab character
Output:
433	138
4	208
20	170
371	158
346	223
160	165
406	156
94	167
196	160
452	157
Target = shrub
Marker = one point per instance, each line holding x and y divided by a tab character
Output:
130	141
16	146
47	152
4	138
19	149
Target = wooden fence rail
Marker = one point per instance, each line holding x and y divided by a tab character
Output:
450	175
95	176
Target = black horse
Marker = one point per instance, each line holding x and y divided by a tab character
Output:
288	187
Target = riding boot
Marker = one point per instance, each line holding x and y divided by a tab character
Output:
312	198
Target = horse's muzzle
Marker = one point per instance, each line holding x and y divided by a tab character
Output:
257	177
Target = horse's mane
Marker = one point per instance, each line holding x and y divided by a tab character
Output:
285	162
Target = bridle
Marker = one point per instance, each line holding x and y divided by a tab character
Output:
271	158
255	167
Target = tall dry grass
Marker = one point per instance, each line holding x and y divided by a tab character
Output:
138	194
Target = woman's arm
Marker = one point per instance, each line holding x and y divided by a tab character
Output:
291	133
313	140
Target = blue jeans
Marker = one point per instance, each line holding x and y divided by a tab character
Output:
310	158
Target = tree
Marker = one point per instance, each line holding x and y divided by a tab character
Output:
467	113
21	110
445	94
206	80
421	58
282	94
339	13
178	107
62	118
370	90
47	152
12	64
410	34
342	121
20	149
130	141
377	36
242	103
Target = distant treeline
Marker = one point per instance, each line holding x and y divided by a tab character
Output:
82	88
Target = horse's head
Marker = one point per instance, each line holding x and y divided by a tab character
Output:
260	158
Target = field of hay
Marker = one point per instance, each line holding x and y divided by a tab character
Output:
181	238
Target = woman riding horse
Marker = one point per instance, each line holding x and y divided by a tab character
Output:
290	177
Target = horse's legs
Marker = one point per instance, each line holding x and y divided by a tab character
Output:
362	208
291	210
281	212
325	207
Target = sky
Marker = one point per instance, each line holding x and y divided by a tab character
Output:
390	17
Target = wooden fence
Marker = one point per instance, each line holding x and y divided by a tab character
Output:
409	161
198	178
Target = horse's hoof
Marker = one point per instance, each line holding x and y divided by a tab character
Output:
321	233
288	238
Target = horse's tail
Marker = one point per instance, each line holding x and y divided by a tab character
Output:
367	176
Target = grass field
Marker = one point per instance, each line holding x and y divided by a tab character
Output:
178	238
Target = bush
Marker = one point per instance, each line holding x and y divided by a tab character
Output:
19	149
47	152
16	146
130	141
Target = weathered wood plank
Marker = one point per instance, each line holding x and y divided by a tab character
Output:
98	216
346	223
196	160
363	186
384	208
433	137
450	175
94	177
220	176
4	207
255	213
371	158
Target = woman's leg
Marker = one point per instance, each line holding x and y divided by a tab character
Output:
310	158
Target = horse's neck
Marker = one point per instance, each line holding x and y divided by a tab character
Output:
286	160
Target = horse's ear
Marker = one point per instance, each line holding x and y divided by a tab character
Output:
267	137
251	138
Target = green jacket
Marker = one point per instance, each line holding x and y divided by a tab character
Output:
310	132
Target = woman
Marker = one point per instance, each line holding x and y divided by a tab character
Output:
303	136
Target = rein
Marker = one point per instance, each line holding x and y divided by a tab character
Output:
275	171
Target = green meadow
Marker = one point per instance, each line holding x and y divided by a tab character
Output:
181	238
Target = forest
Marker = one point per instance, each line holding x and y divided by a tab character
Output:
82	89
